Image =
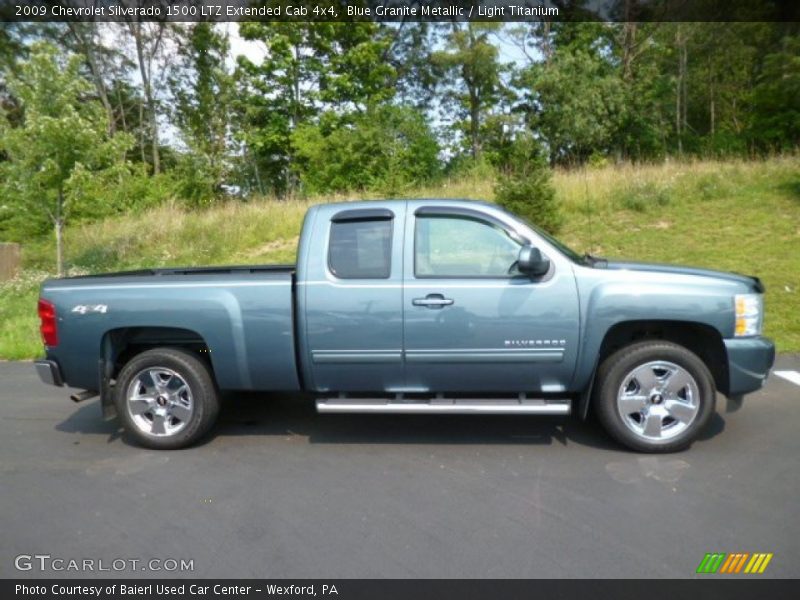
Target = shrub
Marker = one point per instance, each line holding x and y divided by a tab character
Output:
526	188
710	186
387	148
639	197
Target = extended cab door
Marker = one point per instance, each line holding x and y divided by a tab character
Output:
349	293
472	322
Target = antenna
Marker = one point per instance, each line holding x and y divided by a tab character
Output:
590	250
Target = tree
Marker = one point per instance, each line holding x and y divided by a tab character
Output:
83	37
12	50
525	187
574	102
471	63
203	89
310	68
276	95
355	72
776	98
386	148
148	41
61	143
409	53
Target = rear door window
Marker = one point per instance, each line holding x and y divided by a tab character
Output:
361	249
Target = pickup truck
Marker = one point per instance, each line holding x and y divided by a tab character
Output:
413	306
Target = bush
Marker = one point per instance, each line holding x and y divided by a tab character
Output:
709	187
466	168
196	180
387	149
526	188
122	189
639	197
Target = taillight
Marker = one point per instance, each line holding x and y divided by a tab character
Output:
48	327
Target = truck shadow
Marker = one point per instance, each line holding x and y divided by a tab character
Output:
289	415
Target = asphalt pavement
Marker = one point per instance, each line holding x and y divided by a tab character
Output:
278	491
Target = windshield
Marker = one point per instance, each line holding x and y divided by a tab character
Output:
560	246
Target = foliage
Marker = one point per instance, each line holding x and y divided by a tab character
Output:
409	52
641	196
526	188
387	148
313	68
575	104
157	113
471	69
201	88
776	98
62	144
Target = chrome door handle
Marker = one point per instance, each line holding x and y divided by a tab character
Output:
433	301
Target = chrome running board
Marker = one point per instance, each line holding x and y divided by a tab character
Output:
521	405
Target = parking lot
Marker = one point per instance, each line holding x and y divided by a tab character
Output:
279	491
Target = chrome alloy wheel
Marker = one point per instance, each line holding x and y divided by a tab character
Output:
658	400
159	401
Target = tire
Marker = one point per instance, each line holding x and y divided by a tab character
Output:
166	398
654	396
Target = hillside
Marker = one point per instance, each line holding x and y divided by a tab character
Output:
739	216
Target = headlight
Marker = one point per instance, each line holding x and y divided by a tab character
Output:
749	314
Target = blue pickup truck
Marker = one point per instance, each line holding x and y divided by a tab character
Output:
413	306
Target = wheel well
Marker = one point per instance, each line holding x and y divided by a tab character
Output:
705	341
121	345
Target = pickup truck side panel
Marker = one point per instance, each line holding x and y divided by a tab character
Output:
246	323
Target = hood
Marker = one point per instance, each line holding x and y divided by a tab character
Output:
749	281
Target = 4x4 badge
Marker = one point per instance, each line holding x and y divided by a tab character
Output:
83	309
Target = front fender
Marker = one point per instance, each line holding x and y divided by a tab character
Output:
649	297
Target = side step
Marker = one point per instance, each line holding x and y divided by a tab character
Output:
521	405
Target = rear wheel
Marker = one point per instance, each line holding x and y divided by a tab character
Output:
166	398
654	396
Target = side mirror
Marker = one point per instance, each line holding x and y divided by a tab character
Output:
531	262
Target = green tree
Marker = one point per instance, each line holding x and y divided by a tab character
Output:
203	90
276	96
472	68
355	72
148	39
776	98
61	143
309	68
10	50
409	52
525	186
574	102
386	148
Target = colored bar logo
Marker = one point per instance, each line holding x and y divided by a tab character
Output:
735	562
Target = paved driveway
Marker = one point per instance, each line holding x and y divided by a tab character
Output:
279	491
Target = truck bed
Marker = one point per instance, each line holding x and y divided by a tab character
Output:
243	315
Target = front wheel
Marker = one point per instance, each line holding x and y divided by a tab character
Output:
166	398
654	396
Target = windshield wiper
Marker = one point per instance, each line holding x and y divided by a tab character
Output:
594	261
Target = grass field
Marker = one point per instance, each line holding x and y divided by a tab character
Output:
737	216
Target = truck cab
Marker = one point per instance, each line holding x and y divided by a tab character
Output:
421	296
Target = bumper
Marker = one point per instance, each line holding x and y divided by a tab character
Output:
749	362
49	372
